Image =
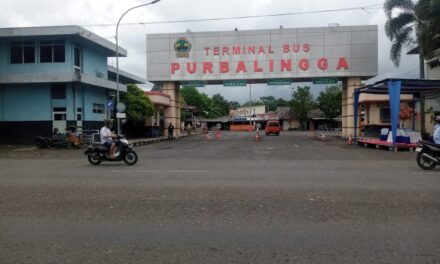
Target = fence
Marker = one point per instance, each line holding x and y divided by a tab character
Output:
90	136
328	132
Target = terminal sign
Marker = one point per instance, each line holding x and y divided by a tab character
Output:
300	53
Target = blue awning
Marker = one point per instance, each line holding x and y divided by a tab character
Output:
394	88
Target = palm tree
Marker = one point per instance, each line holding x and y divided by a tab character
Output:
400	29
414	19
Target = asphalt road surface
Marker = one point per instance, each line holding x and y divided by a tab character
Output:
286	199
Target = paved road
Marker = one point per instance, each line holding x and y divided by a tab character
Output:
286	199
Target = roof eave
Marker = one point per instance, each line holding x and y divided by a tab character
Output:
64	30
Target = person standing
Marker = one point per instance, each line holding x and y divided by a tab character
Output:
436	133
170	131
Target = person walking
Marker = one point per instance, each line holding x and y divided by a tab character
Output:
170	131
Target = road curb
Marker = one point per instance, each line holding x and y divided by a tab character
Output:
147	141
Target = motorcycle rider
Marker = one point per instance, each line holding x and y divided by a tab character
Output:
107	138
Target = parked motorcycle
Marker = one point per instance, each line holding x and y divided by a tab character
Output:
52	142
124	152
428	156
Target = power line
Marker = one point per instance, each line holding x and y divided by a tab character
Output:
363	8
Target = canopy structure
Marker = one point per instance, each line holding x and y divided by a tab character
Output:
394	87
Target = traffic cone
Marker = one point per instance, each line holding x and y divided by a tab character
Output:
350	140
257	136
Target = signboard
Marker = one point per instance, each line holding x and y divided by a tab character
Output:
193	83
121	115
286	53
325	81
120	107
109	104
229	83
279	82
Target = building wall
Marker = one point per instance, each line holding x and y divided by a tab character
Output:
432	65
25	102
93	95
34	68
94	62
94	59
374	112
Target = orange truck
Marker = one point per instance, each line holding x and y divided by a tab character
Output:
273	127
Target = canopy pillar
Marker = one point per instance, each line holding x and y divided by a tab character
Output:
348	87
394	96
172	112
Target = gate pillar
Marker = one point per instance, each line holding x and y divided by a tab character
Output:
348	86
171	113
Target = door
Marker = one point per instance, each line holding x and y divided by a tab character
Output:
59	119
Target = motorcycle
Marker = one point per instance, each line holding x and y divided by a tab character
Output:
124	152
428	155
58	141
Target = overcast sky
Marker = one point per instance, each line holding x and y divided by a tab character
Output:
91	14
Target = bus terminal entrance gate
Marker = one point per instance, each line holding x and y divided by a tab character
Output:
347	54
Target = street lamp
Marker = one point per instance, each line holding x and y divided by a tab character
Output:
117	56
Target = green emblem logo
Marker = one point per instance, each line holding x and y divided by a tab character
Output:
182	47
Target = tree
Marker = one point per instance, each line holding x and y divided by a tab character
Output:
138	108
209	110
203	104
138	105
253	103
192	97
301	104
421	17
282	103
330	102
234	105
219	102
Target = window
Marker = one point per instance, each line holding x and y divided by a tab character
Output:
76	57
78	114
385	115
22	52
58	91
52	51
59	113
434	64
98	108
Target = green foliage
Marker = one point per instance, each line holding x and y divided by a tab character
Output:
192	97
302	103
234	105
272	104
221	103
421	17
204	105
253	103
330	102
138	105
